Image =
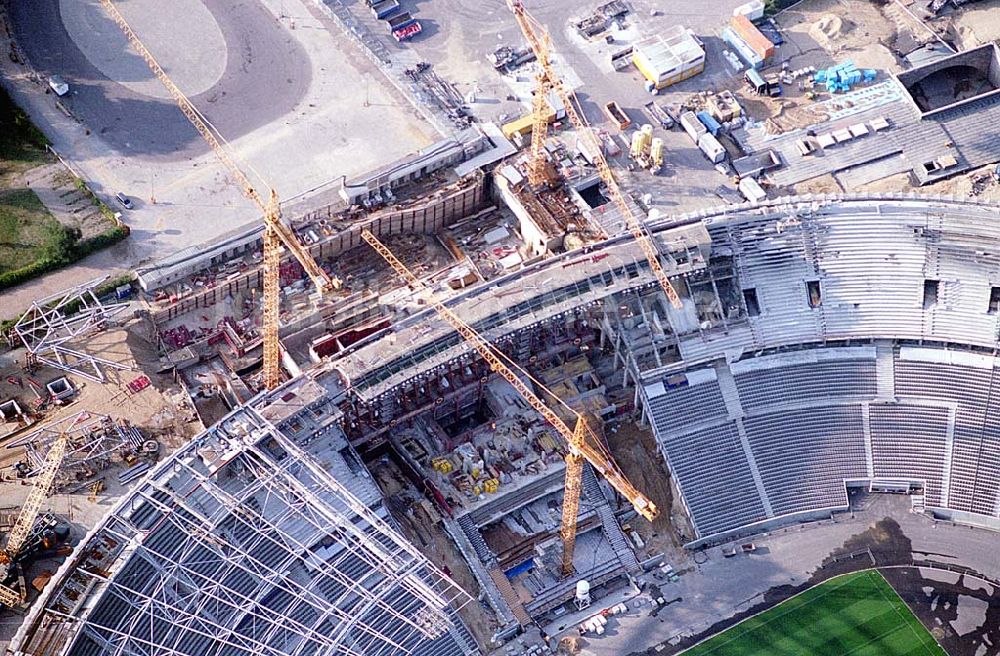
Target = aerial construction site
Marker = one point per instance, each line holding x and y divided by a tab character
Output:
519	329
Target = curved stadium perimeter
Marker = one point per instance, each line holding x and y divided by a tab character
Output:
824	344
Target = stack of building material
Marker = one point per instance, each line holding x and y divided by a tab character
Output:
843	76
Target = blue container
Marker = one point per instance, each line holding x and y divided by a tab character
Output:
710	123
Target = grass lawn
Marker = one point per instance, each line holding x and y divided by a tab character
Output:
28	232
857	614
21	144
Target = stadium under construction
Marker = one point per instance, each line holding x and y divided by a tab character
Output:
798	370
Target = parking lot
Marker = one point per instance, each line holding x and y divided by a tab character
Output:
459	36
297	103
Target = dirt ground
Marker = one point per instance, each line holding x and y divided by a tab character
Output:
426	532
822	32
962	613
977	24
635	452
162	410
977	184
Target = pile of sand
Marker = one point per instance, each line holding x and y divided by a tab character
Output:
829	28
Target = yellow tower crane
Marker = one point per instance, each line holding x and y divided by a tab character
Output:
539	41
580	448
26	518
276	233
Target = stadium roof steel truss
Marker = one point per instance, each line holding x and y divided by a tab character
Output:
248	546
91	437
52	324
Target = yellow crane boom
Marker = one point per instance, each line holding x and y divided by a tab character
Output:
276	233
29	511
579	447
538	40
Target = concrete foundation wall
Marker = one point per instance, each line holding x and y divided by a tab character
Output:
428	217
985	58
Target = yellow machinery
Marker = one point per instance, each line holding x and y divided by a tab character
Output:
580	447
276	233
26	518
538	40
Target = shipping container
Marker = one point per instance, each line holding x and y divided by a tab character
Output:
745	52
712	148
399	21
752	36
692	126
709	122
669	58
384	8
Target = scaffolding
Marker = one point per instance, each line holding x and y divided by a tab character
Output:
244	543
53	324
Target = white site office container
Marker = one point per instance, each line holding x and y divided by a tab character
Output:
712	148
692	126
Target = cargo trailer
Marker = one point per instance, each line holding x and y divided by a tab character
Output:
384	8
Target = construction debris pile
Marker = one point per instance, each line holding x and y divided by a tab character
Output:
601	18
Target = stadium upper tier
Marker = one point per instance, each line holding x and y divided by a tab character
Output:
790	272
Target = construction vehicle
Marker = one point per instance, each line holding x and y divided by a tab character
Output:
276	233
581	440
95	489
18	535
539	41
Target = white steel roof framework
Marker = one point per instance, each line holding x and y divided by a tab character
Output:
53	326
262	552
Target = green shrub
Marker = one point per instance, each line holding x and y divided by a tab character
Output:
66	249
103	240
772	7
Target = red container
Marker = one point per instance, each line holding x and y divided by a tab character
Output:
753	37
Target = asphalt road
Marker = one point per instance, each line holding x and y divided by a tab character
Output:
266	73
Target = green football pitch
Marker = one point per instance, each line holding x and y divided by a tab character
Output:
856	614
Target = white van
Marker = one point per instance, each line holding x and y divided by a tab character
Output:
58	85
